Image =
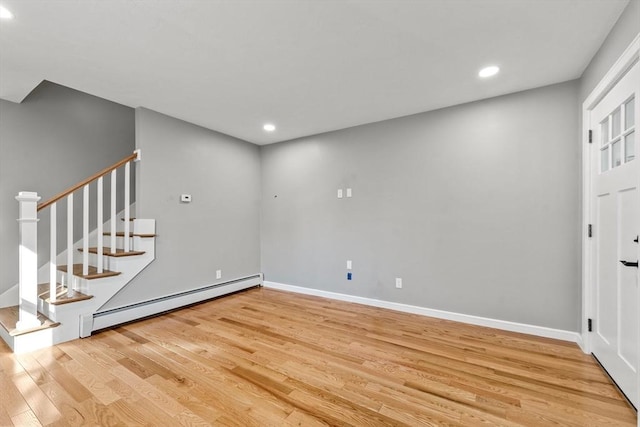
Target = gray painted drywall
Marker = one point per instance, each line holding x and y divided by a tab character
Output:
219	229
55	138
475	207
622	34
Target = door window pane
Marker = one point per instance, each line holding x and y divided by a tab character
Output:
630	147
629	113
615	123
604	131
604	160
617	155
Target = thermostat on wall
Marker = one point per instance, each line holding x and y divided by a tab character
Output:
185	198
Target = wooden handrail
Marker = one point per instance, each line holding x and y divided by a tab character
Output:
87	181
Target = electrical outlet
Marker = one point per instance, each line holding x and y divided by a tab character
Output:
218	274
349	264
349	276
399	282
339	193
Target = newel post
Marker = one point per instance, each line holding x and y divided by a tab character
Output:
28	260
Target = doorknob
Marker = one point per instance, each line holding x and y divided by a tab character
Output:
629	263
636	239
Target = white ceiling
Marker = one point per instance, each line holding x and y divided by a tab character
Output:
307	66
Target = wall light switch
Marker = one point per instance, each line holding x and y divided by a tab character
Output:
348	264
348	192
339	193
218	274
185	198
398	282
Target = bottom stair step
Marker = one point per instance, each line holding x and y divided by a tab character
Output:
61	295
93	272
9	316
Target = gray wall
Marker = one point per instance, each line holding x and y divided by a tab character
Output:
624	31
476	207
219	229
55	138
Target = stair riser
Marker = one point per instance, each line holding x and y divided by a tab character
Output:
31	341
59	313
119	242
144	226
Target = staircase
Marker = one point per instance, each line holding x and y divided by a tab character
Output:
87	274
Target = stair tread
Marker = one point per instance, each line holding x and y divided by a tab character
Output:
119	252
121	234
9	316
93	272
61	294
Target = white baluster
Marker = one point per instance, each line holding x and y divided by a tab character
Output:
113	211
85	230
70	245
28	259
127	214
100	237
53	280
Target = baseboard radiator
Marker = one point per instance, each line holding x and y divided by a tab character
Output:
116	316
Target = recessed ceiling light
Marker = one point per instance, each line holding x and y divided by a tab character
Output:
489	71
269	127
5	13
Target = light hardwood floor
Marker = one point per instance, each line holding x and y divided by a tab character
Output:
268	358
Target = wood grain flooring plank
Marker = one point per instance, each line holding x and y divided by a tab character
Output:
131	414
103	414
5	419
91	381
73	413
158	397
25	419
34	369
42	407
12	401
302	419
194	398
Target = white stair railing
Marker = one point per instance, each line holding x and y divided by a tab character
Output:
28	265
99	196
85	230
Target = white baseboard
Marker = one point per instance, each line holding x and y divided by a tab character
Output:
138	311
540	331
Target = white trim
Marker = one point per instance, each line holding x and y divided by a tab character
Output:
615	73
540	331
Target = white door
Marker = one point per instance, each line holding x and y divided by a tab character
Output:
615	213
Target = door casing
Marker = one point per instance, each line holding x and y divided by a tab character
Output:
628	58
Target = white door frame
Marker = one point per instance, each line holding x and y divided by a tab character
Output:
628	58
